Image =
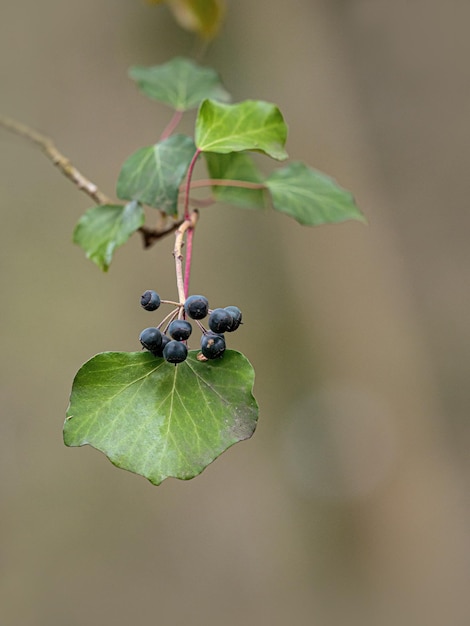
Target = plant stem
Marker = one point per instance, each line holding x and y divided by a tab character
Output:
203	330
183	287
187	265
149	235
200	47
210	182
168	318
58	159
174	316
171	126
170	302
201	203
188	182
188	223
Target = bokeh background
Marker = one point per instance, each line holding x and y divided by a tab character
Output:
350	504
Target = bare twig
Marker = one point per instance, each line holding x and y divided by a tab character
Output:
58	159
149	235
152	235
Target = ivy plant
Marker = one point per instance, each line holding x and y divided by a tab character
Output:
170	409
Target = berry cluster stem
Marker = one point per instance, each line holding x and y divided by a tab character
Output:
183	283
186	227
189	256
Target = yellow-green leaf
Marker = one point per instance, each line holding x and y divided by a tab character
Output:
248	125
203	17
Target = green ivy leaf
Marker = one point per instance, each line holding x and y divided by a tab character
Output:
158	420
181	83
153	175
236	166
310	197
102	229
248	125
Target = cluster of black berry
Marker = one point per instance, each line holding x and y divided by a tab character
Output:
171	343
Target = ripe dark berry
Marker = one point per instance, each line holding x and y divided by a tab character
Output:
175	352
196	307
212	345
180	330
220	320
151	339
150	300
159	352
237	317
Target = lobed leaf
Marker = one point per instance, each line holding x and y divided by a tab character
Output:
158	420
181	83
248	125
236	166
153	175
102	229
310	197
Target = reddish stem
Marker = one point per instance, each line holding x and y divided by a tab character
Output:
172	124
188	183
190	233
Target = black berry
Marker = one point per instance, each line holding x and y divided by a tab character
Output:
159	352
150	300
212	345
237	317
180	330
175	352
220	320
151	339
196	307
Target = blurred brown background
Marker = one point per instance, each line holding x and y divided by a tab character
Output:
350	504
